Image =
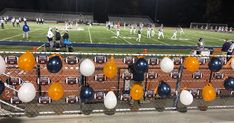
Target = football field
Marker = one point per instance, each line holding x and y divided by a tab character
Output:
100	35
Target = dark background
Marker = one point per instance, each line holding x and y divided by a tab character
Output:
170	12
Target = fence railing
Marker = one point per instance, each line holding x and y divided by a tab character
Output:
72	81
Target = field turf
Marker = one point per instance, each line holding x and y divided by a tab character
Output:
99	34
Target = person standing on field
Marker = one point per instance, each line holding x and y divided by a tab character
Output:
139	35
50	36
26	31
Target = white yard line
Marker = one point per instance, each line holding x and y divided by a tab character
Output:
122	38
18	35
90	37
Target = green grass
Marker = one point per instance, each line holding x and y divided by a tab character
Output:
99	34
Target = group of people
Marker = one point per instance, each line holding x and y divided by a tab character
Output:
14	20
40	20
214	28
137	29
55	39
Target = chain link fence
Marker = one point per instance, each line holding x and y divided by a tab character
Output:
71	80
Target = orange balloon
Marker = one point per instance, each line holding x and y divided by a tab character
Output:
208	93
110	68
191	64
136	91
56	91
26	61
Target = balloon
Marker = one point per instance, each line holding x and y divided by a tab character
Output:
208	93
166	65
186	97
141	65
87	67
215	64
110	68
54	64
229	83
164	89
56	91
27	92
110	100
26	61
136	91
86	94
191	64
2	65
232	64
2	87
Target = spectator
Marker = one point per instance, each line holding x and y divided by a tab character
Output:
66	38
50	36
26	31
57	39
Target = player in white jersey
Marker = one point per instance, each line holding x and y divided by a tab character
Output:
174	36
131	28
181	31
134	29
160	32
139	35
117	32
149	32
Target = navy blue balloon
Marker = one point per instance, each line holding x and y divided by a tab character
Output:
164	90
2	87
86	94
54	65
229	83
215	64
141	65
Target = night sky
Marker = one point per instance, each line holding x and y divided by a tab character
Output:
170	12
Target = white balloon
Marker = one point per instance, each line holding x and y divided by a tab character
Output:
166	65
110	100
2	65
186	97
27	92
87	67
232	64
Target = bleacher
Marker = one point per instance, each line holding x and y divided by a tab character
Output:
48	16
130	19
